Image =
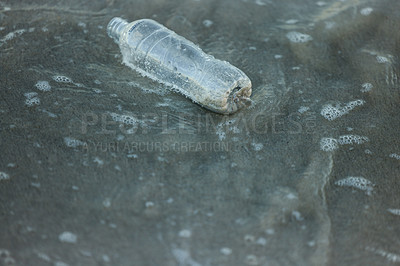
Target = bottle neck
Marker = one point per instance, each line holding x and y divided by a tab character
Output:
115	28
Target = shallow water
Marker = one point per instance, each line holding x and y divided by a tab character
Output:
101	166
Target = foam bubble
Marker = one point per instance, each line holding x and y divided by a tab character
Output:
6	258
270	231
12	35
207	23
107	203
297	37
303	109
73	143
31	99
257	146
98	161
62	79
394	211
351	105
331	112
226	251
30	95
352	139
260	3
297	215
395	156
249	239
356	182
43	85
367	151
291	21
382	59
60	263
328	144
11	165
4	176
43	256
261	241
366	11
185	233
391	257
251	260
366	87
149	204
183	257
68	237
126	119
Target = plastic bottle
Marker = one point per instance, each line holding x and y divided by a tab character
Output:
160	54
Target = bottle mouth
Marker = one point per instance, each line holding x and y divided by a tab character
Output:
115	27
239	98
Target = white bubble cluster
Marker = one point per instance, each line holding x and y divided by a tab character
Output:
356	182
331	144
31	99
382	59
352	139
43	85
303	109
366	11
73	143
391	257
395	156
4	176
366	87
62	79
12	35
298	37
68	237
6	258
328	144
331	112
126	119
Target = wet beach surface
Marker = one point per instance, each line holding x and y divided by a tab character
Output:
101	166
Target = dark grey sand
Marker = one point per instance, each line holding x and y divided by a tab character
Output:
110	168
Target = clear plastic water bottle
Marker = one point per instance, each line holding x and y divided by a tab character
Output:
160	54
